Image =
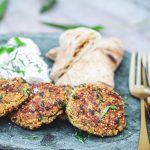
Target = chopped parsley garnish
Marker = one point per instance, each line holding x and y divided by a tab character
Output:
1	97
39	68
15	69
81	136
20	71
98	94
97	101
25	91
82	85
6	49
19	42
10	48
105	110
22	62
72	93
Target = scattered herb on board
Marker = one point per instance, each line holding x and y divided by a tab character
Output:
105	110
19	42
81	136
33	137
1	97
67	26
126	105
3	8
49	4
25	91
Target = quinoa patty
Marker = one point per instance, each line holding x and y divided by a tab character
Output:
97	109
12	94
45	103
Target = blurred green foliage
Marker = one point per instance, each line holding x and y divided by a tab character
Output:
3	7
67	26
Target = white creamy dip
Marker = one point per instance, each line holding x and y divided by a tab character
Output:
23	61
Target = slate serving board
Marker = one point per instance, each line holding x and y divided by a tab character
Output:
60	134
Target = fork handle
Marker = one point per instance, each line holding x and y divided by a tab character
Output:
143	140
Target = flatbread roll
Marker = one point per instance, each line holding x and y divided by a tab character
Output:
85	57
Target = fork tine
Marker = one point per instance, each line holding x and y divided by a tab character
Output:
132	72
144	70
148	70
138	78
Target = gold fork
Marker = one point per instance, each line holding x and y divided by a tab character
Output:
138	90
146	77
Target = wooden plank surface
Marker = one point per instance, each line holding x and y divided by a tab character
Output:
128	20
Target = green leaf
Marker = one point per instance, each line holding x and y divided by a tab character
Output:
20	71
66	27
2	50
81	136
6	49
38	68
25	91
105	110
3	7
98	94
10	49
1	97
32	137
19	42
48	5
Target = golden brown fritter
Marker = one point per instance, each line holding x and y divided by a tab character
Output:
96	109
45	103
12	94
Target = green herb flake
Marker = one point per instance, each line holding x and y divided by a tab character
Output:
6	49
97	101
98	94
19	42
38	68
1	97
105	110
31	137
82	85
22	62
25	91
2	50
81	136
20	71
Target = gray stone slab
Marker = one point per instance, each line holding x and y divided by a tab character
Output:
60	134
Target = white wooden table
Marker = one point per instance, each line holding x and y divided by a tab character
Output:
128	20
